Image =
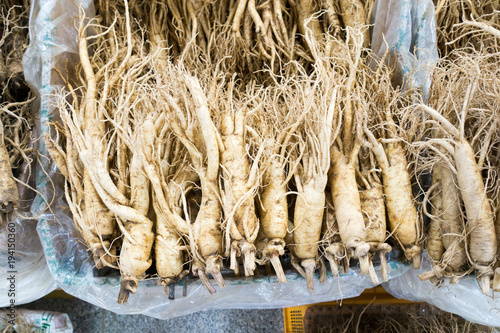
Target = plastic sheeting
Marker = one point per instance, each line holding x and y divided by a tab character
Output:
67	255
32	278
463	298
407	28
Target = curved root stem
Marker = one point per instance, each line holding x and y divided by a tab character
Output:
383	249
414	254
322	271
485	284
333	264
336	254
275	261
309	268
248	252
496	280
371	273
206	282
214	264
360	250
128	285
484	274
274	249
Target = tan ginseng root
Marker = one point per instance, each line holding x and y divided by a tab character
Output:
265	30
138	234
433	241
306	15
373	209
384	104
354	16
205	232
96	217
342	175
480	216
331	240
102	74
448	214
311	177
272	202
169	247
239	186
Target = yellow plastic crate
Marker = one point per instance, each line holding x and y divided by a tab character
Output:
294	317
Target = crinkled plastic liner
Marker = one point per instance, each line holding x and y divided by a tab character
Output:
66	253
463	298
33	279
408	29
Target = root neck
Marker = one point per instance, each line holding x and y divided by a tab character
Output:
275	248
206	282
383	249
128	285
414	254
309	268
275	261
213	266
435	273
496	280
248	252
336	255
484	274
371	272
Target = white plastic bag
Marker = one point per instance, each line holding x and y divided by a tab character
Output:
67	255
36	321
24	275
408	29
463	298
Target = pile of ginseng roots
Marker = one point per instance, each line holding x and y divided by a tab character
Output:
16	118
461	143
205	136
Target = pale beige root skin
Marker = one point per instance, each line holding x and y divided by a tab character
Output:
134	258
208	234
452	224
480	226
404	221
452	227
345	197
354	16
480	219
168	251
138	241
334	252
308	22
373	208
9	195
308	220
236	187
100	222
273	211
139	186
434	244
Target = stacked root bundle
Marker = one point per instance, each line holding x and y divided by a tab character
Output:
16	118
466	23
462	150
461	146
183	155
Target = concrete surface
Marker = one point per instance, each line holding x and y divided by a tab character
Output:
89	318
